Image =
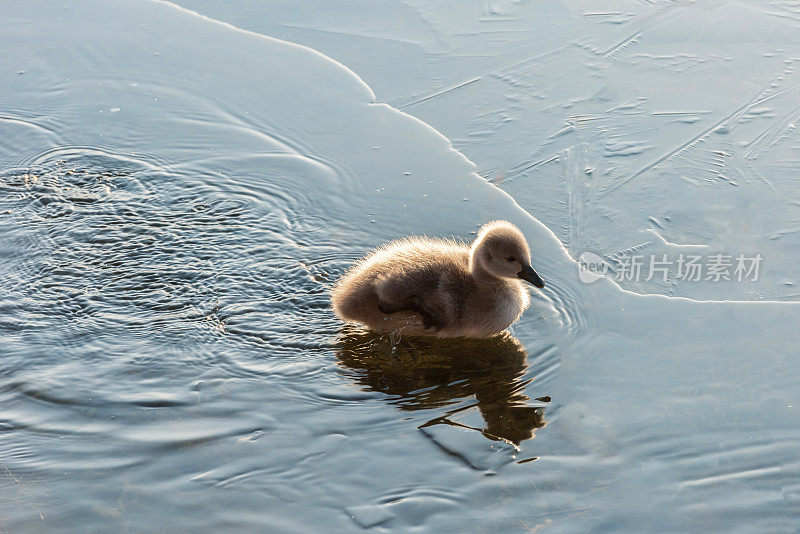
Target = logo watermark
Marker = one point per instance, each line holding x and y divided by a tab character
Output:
684	267
591	267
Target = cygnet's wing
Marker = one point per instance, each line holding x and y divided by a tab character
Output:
418	268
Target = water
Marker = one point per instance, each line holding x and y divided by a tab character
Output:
177	195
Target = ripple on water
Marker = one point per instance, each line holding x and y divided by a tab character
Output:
128	282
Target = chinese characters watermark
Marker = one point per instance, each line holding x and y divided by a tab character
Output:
660	267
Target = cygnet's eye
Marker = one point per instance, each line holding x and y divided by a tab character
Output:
511	258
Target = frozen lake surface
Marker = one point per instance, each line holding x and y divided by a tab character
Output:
179	188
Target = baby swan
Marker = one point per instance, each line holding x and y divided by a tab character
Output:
441	288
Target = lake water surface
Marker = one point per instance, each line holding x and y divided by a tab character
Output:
179	190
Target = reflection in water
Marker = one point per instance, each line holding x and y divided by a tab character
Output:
425	373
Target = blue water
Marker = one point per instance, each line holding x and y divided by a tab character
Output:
177	195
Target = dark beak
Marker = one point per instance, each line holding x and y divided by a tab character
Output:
529	275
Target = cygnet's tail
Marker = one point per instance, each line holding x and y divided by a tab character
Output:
352	298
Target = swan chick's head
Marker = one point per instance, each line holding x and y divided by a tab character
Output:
501	250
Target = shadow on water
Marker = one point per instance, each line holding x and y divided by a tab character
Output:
429	373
